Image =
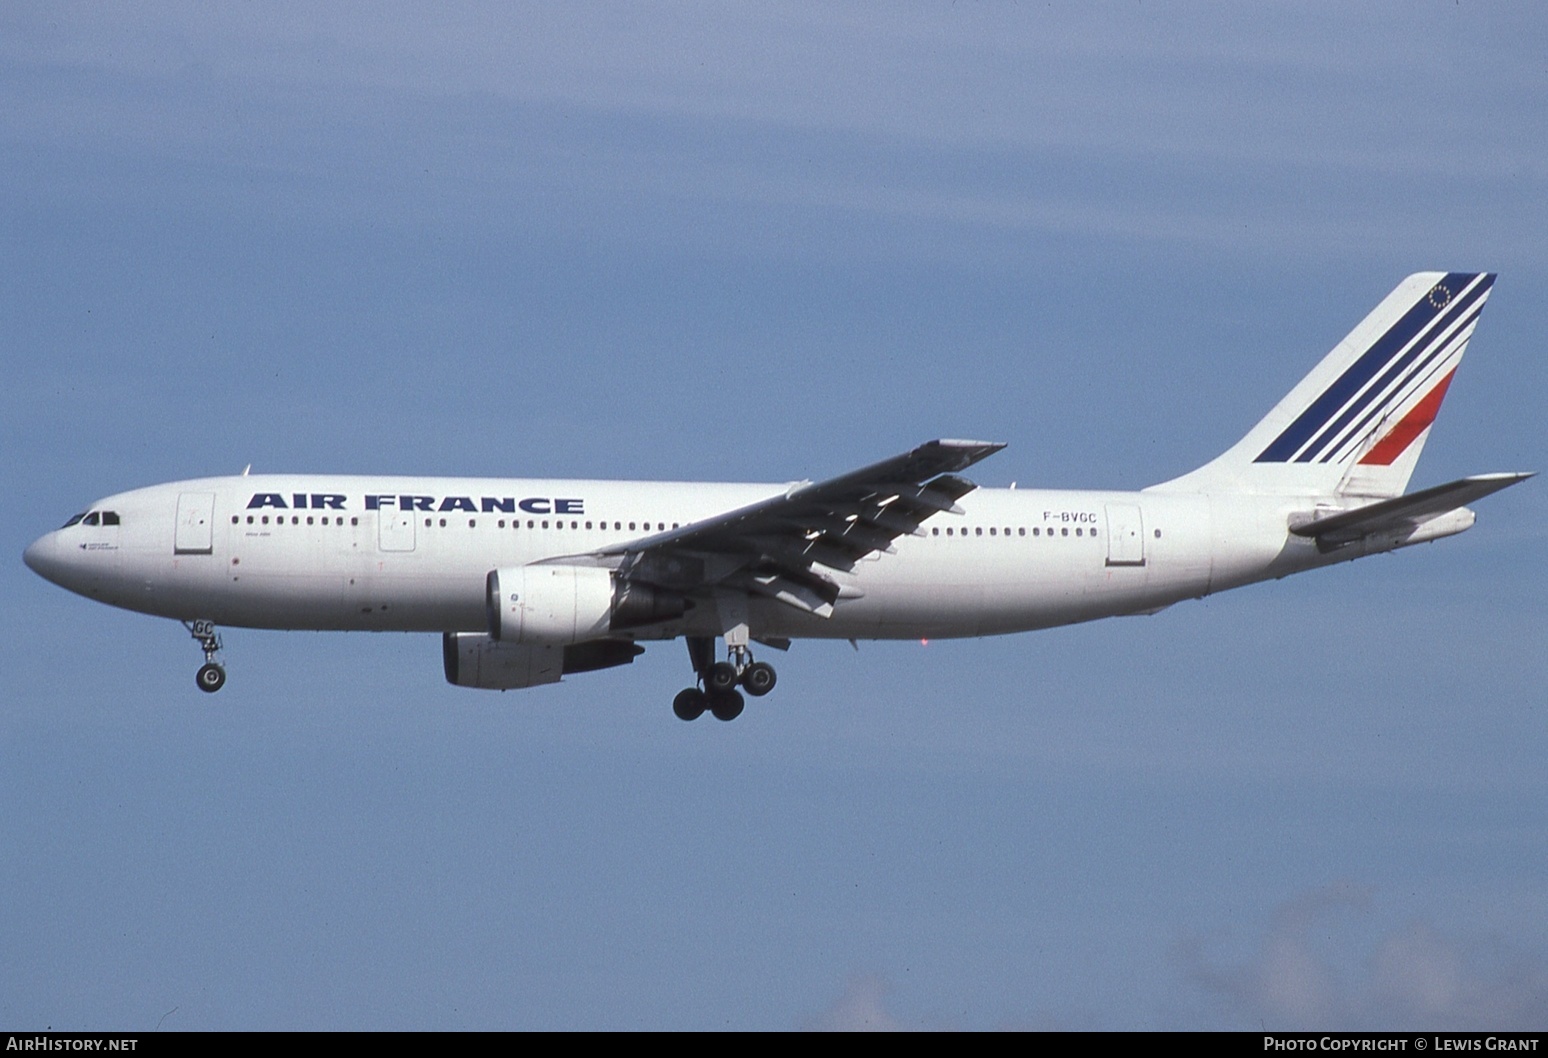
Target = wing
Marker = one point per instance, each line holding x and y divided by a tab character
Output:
786	547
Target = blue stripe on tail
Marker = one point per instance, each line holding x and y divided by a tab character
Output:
1313	421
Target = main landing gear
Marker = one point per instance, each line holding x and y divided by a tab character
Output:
211	676
718	681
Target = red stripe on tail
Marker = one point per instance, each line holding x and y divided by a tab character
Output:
1412	425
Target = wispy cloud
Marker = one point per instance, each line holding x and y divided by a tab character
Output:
1413	977
1164	126
862	1008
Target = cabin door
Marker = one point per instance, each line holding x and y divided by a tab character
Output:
1125	535
195	532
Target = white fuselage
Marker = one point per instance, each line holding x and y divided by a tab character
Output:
413	554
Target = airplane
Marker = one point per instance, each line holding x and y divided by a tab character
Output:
531	580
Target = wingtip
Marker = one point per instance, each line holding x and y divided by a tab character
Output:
956	453
957	442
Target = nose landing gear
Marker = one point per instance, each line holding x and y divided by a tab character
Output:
720	679
211	676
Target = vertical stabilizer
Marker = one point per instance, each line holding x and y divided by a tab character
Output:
1355	426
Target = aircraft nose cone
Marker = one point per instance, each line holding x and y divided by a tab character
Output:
42	557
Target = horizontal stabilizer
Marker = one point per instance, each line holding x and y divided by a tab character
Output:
1402	512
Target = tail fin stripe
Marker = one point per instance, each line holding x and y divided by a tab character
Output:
1298	433
1425	349
1393	395
1362	432
1421	377
1390	345
1414	423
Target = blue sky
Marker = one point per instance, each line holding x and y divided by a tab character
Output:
686	241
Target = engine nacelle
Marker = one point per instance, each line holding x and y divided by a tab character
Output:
558	604
472	659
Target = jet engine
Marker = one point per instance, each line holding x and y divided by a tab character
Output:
473	659
553	605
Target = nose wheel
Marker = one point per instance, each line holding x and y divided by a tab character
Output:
211	676
717	693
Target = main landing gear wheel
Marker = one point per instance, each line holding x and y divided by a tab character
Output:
758	679
690	704
726	705
720	678
718	681
210	678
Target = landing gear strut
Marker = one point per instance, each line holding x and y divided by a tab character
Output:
211	676
719	681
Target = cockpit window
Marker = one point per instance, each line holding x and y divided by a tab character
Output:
93	518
